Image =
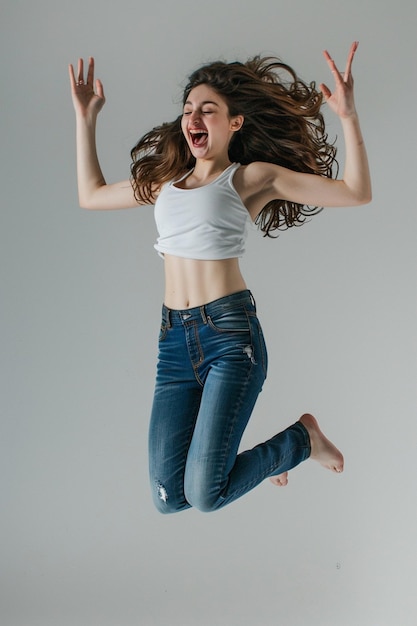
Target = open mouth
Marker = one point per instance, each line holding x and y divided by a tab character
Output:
198	137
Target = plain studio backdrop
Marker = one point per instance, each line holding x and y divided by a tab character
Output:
81	292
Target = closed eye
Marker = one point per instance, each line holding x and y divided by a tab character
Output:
203	112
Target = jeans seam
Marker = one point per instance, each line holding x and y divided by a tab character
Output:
233	424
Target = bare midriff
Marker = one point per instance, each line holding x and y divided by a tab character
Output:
190	282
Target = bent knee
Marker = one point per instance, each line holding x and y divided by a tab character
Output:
203	499
201	490
204	503
166	502
166	508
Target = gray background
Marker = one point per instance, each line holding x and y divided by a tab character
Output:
80	304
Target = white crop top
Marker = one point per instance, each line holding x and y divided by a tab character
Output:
207	223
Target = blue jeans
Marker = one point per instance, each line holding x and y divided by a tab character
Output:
211	367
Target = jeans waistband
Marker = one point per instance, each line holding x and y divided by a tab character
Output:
200	313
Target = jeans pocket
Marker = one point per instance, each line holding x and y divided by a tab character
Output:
230	321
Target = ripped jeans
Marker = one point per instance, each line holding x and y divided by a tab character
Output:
211	367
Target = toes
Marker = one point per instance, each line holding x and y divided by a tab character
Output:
280	481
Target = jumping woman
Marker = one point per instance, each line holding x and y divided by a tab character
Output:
249	145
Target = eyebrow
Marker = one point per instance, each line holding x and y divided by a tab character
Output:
203	103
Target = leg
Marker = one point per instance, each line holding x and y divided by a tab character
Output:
174	413
215	474
173	418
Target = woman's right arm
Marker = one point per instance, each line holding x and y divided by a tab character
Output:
93	192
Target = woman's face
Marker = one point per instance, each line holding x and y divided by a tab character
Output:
206	123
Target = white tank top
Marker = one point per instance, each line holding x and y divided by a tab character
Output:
207	223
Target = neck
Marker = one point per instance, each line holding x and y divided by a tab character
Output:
205	169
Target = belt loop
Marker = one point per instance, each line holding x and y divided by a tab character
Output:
203	313
252	299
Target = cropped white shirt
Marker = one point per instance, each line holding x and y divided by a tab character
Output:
207	223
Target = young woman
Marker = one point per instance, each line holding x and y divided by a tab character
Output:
250	144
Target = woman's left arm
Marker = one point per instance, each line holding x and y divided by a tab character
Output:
356	176
354	188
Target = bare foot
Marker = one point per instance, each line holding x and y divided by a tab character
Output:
281	480
322	450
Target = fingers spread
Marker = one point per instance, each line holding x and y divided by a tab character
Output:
352	51
325	90
71	75
80	71
90	73
99	88
332	65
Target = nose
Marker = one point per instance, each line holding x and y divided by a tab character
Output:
195	117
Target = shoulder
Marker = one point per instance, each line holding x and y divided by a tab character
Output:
256	183
254	176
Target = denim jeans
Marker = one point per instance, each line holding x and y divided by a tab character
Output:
211	367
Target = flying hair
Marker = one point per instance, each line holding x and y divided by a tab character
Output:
283	124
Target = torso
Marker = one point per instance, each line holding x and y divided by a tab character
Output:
191	282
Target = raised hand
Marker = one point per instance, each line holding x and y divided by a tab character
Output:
341	101
86	101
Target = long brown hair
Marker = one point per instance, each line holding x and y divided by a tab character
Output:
283	124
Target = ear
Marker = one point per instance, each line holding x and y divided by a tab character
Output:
236	123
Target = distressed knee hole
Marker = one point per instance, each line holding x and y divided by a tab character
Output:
162	492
